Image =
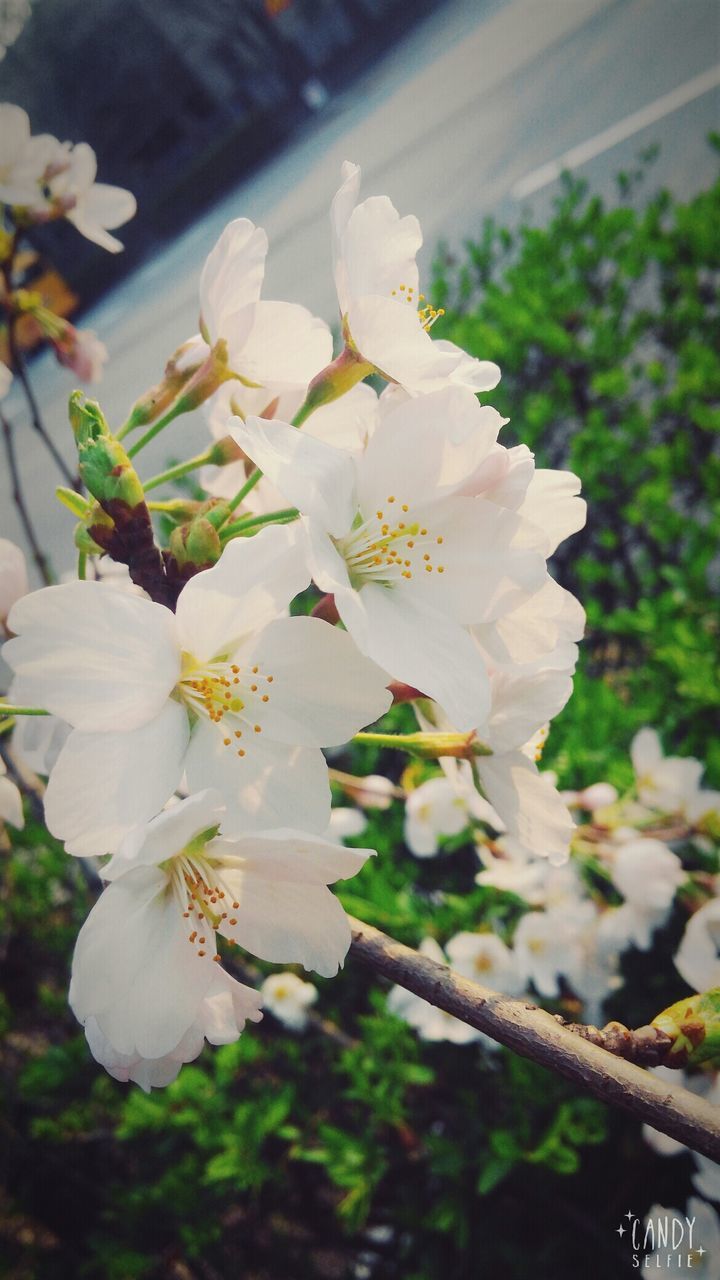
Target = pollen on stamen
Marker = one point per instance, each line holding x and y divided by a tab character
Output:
255	670
201	954
391	498
216	959
238	733
253	688
241	753
257	728
233	920
269	679
441	568
226	742
265	697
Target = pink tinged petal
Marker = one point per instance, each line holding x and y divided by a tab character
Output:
287	915
528	804
323	689
379	248
167	834
285	347
272	785
314	477
135	970
104	784
424	449
484	572
552	504
476	375
421	647
95	656
94	233
253	582
230	284
389	335
522	704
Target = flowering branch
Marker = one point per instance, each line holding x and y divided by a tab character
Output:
581	1054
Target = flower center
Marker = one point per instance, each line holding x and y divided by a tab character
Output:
483	964
386	548
228	695
427	313
206	900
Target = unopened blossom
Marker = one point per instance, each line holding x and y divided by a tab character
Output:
697	959
13	579
409	562
82	351
288	998
220	1018
386	320
667	783
275	345
94	208
11	809
147	957
431	1023
23	159
227	692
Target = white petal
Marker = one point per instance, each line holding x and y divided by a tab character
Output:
323	690
552	503
11	809
273	785
342	206
13	575
348	422
134	970
107	207
645	751
254	580
314	477
230	284
379	250
95	656
418	645
424	449
167	834
104	784
286	346
389	335
528	804
522	704
545	620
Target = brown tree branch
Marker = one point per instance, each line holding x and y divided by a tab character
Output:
537	1035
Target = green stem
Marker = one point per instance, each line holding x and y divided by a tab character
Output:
427	746
254	522
181	469
82	565
7	709
247	488
180	406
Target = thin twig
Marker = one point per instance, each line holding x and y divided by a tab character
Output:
18	366
536	1034
19	500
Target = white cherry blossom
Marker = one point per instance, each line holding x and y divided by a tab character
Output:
13	578
288	998
484	958
146	962
227	692
648	875
668	783
386	321
10	800
549	945
94	208
435	809
409	562
23	159
275	345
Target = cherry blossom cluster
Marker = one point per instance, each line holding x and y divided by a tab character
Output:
189	705
42	180
633	858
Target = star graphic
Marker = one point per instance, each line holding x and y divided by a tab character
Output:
621	1231
629	1214
700	1250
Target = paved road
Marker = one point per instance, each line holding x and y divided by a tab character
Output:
454	124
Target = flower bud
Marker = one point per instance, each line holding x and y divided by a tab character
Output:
694	1026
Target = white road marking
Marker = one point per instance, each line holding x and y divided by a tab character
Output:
593	147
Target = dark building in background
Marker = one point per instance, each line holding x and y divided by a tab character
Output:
181	100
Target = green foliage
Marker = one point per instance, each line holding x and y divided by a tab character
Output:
606	325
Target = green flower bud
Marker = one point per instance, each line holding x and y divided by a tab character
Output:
694	1026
